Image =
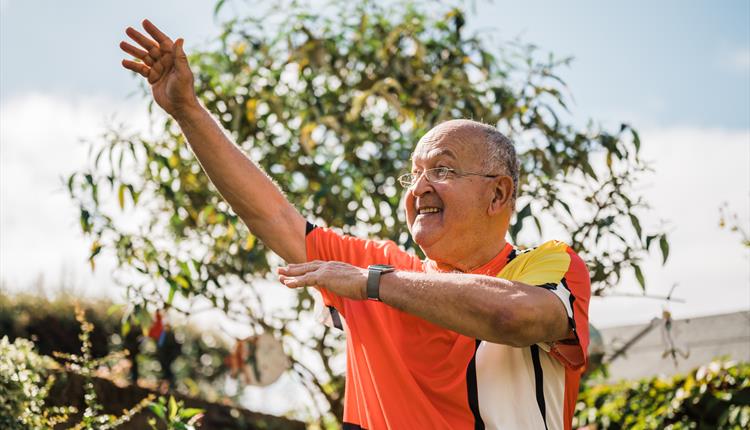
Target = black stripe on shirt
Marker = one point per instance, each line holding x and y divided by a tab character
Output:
511	255
571	298
471	388
539	383
335	318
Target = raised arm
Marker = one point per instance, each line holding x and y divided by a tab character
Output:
245	186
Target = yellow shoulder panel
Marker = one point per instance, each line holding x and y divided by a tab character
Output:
542	265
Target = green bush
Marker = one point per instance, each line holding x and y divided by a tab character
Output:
714	396
25	381
52	326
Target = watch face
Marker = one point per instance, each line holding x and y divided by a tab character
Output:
380	267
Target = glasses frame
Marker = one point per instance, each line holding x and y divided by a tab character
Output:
408	180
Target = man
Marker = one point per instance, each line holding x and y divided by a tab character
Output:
476	336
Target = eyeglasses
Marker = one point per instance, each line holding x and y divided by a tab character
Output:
436	175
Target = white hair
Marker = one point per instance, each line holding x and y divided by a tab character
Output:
501	156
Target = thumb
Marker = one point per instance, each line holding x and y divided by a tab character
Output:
179	53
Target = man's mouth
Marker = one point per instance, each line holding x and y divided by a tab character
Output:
428	210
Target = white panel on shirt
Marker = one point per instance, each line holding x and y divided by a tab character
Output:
506	388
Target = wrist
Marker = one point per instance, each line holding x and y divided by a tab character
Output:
388	282
375	273
188	111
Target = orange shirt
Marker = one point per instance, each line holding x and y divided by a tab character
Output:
404	372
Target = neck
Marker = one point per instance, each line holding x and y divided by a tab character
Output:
471	261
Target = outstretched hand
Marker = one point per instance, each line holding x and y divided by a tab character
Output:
165	65
340	278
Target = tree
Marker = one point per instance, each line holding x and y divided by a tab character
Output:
331	105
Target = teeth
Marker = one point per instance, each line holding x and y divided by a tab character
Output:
429	211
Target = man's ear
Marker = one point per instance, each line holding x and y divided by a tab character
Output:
503	195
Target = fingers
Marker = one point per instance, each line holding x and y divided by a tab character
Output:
137	67
300	275
140	39
158	53
299	269
155	32
167	59
306	280
137	53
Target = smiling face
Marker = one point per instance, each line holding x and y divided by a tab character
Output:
457	222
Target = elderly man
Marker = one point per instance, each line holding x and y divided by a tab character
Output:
479	335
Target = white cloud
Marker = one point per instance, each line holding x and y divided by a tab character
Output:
40	142
696	170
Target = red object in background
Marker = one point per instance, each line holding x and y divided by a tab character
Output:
235	360
157	328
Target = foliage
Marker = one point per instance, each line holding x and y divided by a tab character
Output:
731	221
331	104
52	326
77	385
25	381
173	414
85	365
716	395
24	393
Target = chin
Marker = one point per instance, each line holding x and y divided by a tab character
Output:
426	240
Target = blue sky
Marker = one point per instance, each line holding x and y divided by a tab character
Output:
679	71
667	63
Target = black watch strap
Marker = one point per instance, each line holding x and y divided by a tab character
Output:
373	279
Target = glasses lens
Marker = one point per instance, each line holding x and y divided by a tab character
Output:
406	180
438	174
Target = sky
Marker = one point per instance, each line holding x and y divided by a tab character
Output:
679	71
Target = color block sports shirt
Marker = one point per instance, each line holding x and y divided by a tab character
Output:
404	372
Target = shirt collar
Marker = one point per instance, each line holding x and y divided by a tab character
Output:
490	268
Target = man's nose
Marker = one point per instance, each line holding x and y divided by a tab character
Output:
421	185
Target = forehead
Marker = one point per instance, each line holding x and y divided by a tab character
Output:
462	147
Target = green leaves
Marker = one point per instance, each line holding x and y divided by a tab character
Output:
715	396
173	415
639	276
636	225
26	378
664	246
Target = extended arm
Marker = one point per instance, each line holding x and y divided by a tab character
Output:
255	198
488	308
492	309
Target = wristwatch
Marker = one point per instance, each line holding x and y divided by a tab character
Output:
375	271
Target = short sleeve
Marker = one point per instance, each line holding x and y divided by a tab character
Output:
576	287
327	245
556	267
